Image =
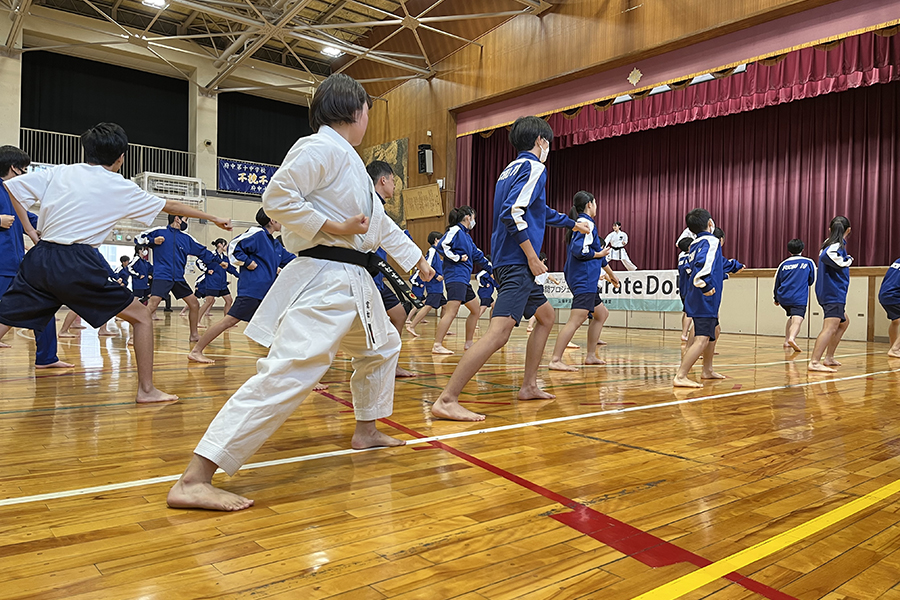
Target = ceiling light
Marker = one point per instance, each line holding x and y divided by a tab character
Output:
159	4
327	50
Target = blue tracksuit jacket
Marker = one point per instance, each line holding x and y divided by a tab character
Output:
218	279
257	245
456	243
889	294
582	270
434	259
792	281
141	272
707	272
170	257
834	275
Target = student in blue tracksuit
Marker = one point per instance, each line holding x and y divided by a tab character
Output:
683	279
14	162
260	258
832	283
520	216
486	287
141	270
418	288
123	275
434	289
171	247
702	297
792	281
213	281
461	257
585	259
889	297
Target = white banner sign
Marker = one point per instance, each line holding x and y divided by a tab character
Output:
653	291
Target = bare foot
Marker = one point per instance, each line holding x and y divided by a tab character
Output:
831	362
401	372
153	396
453	411
320	387
423	322
814	366
529	329
374	440
410	329
601	343
572	345
468	345
205	496
891	353
449	332
593	360
198	357
65	334
685	382
684	338
794	345
439	349
155	318
57	365
195	337
712	375
534	393
2	345
558	365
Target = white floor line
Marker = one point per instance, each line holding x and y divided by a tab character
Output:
436	438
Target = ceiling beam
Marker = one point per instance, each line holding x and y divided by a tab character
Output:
18	18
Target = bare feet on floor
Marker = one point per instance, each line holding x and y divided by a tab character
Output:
533	392
2	345
320	387
685	382
558	365
684	338
154	396
830	362
401	372
815	366
57	365
572	345
593	360
601	343
195	338
410	329
468	345
711	375
205	496
199	357
893	354
376	439
65	334
439	349
453	411
793	345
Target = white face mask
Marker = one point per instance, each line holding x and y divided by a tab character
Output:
472	223
544	153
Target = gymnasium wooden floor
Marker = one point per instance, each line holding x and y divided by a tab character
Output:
769	484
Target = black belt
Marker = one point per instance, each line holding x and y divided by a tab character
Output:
616	247
371	262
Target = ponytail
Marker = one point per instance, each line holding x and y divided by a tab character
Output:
458	214
579	204
837	228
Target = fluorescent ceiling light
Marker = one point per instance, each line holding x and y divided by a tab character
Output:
331	51
160	4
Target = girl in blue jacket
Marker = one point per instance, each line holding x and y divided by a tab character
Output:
831	292
585	259
460	256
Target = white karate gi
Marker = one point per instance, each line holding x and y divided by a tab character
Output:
316	307
687	233
619	239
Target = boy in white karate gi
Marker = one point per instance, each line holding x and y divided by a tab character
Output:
325	201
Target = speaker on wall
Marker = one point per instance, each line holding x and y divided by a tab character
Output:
426	159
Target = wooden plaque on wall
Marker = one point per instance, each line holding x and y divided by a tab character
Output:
423	201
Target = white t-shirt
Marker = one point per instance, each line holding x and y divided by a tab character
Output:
80	204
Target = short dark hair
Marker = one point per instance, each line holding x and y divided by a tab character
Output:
337	100
796	246
219	241
262	218
719	233
526	130
542	256
684	244
378	169
10	157
697	220
618	223
173	217
124	259
104	144
433	237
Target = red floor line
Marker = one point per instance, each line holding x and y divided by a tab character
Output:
631	541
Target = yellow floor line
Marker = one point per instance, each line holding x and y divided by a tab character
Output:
697	579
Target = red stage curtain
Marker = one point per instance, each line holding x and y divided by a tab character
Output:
766	175
857	61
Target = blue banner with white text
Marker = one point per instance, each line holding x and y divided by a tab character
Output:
244	177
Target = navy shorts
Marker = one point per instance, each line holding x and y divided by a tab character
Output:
459	292
834	311
486	300
205	292
389	298
795	311
161	288
586	301
244	308
892	310
518	295
706	326
53	275
142	294
435	300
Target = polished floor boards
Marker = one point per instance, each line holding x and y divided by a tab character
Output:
771	483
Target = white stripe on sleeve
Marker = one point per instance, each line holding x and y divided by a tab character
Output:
524	199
